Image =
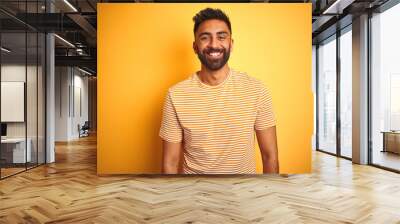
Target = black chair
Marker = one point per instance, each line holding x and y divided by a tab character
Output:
84	130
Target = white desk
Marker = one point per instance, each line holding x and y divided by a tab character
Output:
19	155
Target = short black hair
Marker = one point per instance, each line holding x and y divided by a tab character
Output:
209	13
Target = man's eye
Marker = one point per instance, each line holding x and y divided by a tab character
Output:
204	38
222	37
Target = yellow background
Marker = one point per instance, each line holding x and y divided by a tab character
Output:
145	48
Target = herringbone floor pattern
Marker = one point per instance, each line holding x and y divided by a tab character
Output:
69	191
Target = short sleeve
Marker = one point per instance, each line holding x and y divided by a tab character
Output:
265	113
171	129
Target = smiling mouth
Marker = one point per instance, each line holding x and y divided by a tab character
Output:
214	54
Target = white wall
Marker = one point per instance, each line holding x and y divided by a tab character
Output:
62	80
71	93
33	127
12	73
81	89
9	73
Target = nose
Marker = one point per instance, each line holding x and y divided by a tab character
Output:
214	42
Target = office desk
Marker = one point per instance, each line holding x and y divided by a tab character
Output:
13	150
391	141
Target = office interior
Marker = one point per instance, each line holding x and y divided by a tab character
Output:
48	81
48	85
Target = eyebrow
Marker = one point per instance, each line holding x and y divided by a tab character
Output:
222	32
204	33
218	33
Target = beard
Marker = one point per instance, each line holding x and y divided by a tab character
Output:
214	64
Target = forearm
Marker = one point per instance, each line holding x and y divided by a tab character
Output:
270	164
170	167
171	157
267	141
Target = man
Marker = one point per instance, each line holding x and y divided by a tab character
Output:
211	117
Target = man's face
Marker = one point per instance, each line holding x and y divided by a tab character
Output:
213	44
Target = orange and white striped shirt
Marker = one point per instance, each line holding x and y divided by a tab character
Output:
217	123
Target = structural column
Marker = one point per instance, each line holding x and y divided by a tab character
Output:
360	89
50	92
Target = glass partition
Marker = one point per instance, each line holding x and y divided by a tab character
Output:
13	103
22	88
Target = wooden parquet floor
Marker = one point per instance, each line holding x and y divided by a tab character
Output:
69	191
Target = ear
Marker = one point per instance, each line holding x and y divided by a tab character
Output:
195	47
231	45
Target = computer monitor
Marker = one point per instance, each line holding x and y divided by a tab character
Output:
3	129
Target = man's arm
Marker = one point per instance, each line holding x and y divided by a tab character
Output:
171	157
269	149
172	134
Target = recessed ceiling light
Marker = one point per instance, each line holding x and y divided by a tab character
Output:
64	40
70	5
5	50
84	71
337	7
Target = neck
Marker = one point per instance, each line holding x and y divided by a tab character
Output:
213	78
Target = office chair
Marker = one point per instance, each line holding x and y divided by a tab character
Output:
84	130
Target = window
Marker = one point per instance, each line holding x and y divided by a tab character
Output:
327	95
385	88
346	93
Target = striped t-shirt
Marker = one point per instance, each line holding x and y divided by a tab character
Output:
217	123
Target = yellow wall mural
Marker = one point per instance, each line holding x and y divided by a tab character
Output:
145	48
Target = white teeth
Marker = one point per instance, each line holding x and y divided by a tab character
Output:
214	54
